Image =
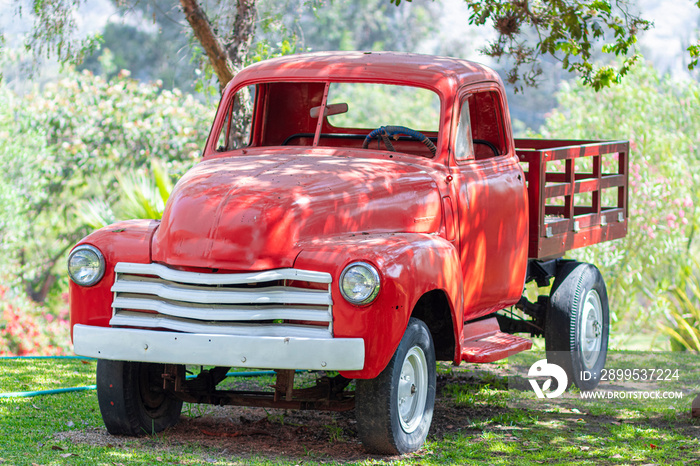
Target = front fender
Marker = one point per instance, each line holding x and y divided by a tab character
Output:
127	241
409	264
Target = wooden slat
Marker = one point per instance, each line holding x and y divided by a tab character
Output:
554	246
541	144
587	185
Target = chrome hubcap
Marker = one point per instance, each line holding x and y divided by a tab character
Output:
591	336
412	389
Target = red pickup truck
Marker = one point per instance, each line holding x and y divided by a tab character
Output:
359	214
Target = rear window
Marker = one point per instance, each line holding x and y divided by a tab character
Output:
373	105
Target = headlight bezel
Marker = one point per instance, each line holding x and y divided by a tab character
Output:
374	273
101	264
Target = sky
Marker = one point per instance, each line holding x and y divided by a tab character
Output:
676	26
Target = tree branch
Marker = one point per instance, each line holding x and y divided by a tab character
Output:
210	42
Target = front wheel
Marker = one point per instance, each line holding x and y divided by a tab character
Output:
578	320
395	409
132	400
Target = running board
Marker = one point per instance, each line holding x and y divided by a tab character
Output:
484	342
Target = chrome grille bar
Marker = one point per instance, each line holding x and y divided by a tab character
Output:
222	278
140	319
269	295
252	303
222	313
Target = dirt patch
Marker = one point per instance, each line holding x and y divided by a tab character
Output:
240	433
227	431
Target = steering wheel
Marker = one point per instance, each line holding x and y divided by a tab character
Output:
385	132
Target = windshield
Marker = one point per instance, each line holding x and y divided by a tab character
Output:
397	118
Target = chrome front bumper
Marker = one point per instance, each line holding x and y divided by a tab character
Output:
126	344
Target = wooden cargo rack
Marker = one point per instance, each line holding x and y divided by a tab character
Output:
566	181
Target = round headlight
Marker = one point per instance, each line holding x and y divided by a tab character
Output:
86	265
359	283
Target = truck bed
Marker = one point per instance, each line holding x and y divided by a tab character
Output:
578	193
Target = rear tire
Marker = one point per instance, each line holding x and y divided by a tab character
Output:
395	409
577	326
132	400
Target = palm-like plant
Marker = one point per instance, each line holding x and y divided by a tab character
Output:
141	195
683	310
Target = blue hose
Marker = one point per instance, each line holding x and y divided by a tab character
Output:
46	392
47	357
94	387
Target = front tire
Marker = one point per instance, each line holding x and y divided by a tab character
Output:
578	321
132	400
395	409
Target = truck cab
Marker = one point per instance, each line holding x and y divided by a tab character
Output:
361	213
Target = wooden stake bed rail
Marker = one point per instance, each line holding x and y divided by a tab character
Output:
566	183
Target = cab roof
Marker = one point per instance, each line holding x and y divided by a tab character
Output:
440	73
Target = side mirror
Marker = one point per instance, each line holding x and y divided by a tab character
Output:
331	109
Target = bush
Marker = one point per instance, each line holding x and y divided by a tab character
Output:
60	147
27	328
683	309
64	143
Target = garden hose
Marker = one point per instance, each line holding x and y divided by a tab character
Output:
56	391
46	392
47	357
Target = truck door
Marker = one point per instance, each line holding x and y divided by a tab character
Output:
489	188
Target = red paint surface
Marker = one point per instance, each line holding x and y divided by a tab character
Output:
494	347
484	342
251	212
410	264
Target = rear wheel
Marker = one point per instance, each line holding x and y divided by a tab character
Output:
132	399
395	409
576	330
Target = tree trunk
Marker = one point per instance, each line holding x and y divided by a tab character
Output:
241	38
229	60
208	39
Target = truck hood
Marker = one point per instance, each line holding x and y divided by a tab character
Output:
253	212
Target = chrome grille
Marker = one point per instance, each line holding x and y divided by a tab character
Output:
251	304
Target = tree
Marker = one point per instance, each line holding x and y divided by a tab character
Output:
694	50
363	24
225	41
228	57
161	52
567	30
574	32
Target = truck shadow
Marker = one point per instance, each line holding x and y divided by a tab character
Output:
482	412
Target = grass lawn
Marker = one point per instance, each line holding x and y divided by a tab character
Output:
485	414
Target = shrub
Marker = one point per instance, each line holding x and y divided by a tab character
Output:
27	328
65	143
60	147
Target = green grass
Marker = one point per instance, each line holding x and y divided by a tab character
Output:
484	414
28	425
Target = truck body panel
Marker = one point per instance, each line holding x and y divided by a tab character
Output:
251	212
